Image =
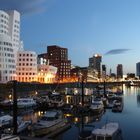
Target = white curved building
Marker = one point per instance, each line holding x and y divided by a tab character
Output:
7	54
7	59
4	23
10	44
26	66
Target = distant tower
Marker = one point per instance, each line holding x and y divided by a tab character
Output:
119	71
138	69
103	71
110	72
95	63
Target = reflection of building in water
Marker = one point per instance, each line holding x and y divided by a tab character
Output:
77	99
78	91
73	96
138	100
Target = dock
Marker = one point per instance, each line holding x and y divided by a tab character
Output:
57	132
49	136
32	138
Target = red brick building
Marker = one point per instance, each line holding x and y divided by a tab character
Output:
58	57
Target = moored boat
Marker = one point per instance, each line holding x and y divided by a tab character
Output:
5	120
22	125
6	104
97	106
117	107
49	122
110	131
56	100
9	137
26	102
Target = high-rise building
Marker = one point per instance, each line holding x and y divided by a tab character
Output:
9	44
103	71
119	71
95	63
14	30
138	69
58	57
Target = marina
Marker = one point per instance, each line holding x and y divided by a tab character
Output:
69	70
75	119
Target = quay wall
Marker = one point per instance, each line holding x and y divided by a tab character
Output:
6	89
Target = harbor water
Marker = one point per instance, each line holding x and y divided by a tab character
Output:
128	119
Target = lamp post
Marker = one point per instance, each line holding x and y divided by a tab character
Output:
82	92
15	106
105	89
81	78
122	86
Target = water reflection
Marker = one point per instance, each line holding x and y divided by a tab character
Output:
138	99
128	119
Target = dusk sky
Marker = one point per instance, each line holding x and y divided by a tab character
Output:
108	27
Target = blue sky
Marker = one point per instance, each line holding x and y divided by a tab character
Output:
85	27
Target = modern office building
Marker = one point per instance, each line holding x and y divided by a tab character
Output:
95	63
14	30
26	66
119	71
104	71
9	44
138	69
58	57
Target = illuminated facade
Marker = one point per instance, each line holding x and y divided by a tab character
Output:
26	66
46	74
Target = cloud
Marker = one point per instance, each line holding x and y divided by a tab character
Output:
116	51
23	6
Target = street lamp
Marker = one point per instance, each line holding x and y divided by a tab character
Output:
15	106
81	78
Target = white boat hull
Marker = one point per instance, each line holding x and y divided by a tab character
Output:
45	130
